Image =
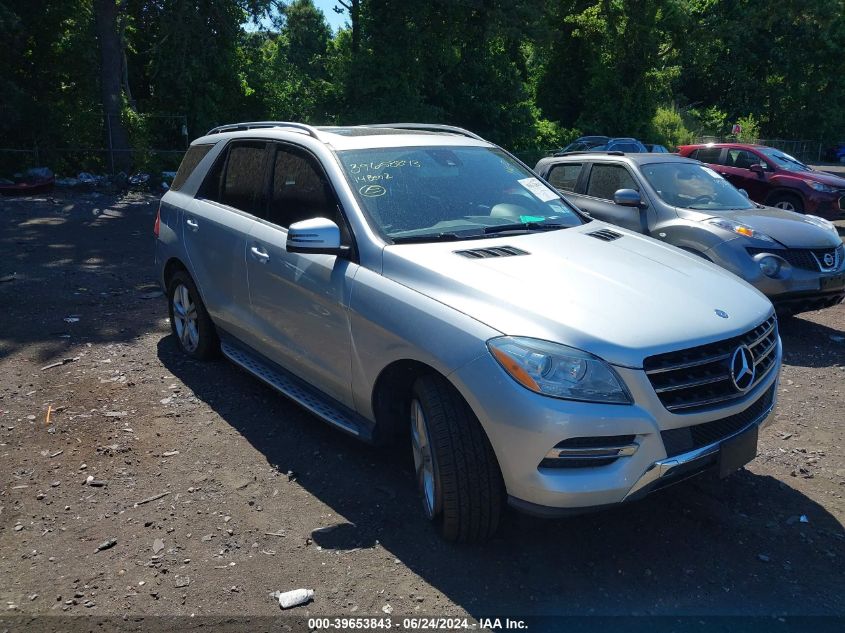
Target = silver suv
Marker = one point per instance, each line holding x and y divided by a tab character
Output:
418	283
797	260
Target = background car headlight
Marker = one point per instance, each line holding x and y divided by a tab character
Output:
820	186
558	371
739	229
769	265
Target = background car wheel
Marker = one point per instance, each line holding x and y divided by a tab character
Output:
457	472
786	201
189	319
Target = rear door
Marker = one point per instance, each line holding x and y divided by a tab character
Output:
216	227
300	301
599	185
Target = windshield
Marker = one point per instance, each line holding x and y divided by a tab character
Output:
422	193
694	186
784	160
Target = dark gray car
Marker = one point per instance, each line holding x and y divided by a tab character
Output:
797	260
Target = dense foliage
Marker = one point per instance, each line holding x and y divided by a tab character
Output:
529	75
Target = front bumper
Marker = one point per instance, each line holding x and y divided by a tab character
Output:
523	426
795	290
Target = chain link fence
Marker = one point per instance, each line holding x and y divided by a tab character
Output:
159	144
805	151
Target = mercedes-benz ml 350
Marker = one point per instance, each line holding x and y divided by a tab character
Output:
418	284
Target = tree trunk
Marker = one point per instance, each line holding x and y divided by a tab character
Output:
111	80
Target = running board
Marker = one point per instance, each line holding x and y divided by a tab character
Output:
297	390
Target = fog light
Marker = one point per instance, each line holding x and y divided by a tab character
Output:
770	266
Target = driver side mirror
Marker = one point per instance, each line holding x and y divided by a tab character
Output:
628	198
758	169
317	236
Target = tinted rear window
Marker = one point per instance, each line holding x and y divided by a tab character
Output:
565	176
190	161
237	178
707	154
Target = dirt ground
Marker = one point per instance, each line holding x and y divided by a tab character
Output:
208	490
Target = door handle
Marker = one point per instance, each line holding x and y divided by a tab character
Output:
192	224
259	254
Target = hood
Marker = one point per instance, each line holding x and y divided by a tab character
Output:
622	300
821	176
791	229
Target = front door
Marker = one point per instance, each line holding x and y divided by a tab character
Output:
300	301
604	180
736	168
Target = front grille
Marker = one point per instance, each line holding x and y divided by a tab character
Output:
806	258
699	378
689	438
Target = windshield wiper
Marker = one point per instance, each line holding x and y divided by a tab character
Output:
430	237
523	226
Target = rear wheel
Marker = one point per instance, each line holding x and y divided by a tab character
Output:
189	320
787	202
457	473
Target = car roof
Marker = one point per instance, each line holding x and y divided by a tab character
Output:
637	158
351	137
735	145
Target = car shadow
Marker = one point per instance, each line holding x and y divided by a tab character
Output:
810	344
74	266
703	546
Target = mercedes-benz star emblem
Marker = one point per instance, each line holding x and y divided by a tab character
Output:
829	260
742	368
722	313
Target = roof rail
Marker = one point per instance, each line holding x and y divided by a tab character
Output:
234	127
433	127
612	152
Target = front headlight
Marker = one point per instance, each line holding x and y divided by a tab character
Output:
558	371
820	186
739	229
821	222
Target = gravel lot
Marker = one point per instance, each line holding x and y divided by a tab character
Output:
209	490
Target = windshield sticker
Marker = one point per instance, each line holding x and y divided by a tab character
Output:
532	218
537	188
372	191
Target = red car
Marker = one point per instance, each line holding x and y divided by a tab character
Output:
773	177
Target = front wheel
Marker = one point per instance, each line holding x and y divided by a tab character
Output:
787	202
457	472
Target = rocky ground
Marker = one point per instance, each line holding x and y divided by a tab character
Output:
136	481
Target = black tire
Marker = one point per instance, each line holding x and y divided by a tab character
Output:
470	491
208	344
786	200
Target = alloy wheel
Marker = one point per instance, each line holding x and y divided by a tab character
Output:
423	458
185	318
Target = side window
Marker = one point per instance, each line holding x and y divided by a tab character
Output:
237	178
741	159
707	154
190	161
300	190
565	176
605	180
